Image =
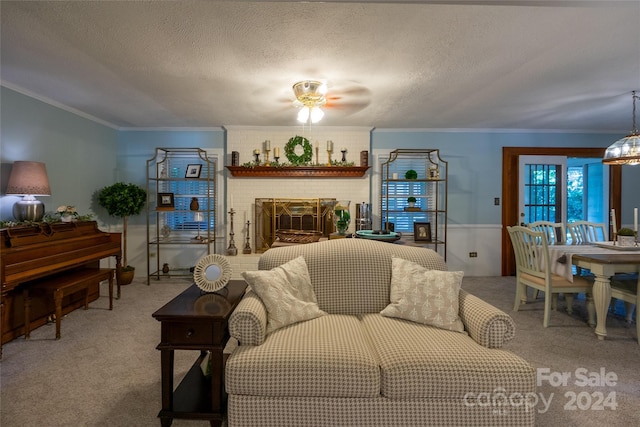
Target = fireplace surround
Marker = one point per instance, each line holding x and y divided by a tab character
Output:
305	214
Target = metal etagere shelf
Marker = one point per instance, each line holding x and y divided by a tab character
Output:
413	196
181	214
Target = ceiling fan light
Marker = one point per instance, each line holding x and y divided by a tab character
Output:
303	114
316	114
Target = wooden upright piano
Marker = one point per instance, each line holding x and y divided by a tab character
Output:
29	254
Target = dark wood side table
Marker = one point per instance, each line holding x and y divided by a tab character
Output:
195	320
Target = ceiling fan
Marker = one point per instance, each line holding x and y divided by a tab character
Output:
313	97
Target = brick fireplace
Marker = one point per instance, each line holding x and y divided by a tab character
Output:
242	192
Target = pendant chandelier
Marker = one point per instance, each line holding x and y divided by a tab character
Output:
625	151
310	95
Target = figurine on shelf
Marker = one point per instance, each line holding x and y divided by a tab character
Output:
194	205
165	268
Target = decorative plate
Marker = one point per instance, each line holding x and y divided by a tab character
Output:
375	235
290	151
212	272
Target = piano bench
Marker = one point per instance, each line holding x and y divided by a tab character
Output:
65	284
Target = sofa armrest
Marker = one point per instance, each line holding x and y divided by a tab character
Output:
486	324
248	322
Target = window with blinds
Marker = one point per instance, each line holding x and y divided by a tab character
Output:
183	218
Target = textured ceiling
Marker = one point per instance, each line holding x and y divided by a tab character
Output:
443	64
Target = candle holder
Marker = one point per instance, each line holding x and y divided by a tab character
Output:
317	155
232	250
257	156
615	238
276	158
329	157
344	155
247	246
635	234
266	157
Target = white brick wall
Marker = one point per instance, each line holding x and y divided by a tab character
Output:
242	192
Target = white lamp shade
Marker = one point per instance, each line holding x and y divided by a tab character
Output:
303	115
316	114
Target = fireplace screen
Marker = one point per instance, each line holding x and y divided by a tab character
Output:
291	214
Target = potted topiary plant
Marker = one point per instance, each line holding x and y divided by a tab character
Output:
626	237
411	201
123	200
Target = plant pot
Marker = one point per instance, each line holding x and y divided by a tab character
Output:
626	240
125	276
411	204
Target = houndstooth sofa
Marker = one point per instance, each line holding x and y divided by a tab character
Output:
355	367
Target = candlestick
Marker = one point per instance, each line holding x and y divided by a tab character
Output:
613	225
256	154
232	250
344	154
317	158
276	152
267	145
266	157
635	219
328	157
247	246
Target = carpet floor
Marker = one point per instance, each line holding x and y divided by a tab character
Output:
105	370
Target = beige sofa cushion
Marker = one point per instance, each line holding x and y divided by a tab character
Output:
286	293
424	296
326	356
419	361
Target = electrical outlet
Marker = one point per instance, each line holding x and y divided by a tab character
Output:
473	254
496	201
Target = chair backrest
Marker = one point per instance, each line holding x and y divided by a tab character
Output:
532	252
555	232
587	232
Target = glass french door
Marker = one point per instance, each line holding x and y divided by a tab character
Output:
542	189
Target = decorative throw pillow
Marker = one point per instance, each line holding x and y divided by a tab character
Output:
424	296
286	292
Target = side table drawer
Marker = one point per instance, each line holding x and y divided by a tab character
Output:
187	333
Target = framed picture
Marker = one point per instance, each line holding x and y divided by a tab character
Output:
422	231
165	202
193	171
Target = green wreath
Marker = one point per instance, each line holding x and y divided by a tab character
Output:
290	151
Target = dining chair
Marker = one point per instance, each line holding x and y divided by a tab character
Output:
625	288
583	232
555	232
533	270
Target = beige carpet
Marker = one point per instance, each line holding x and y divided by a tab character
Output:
105	371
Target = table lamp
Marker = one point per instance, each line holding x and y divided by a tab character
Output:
28	179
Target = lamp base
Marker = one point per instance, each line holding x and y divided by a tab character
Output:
28	210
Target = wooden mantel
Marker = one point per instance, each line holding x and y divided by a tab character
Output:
298	171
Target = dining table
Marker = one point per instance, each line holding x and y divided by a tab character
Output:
604	260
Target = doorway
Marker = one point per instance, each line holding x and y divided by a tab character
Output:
510	188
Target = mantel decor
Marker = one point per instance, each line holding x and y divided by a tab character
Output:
295	158
298	171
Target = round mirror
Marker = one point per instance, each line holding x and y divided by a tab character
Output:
212	272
